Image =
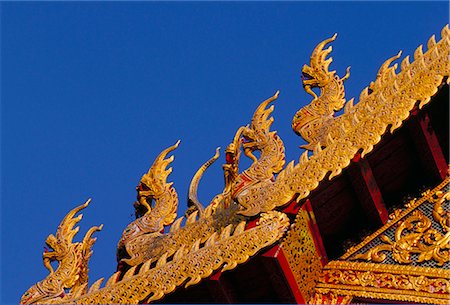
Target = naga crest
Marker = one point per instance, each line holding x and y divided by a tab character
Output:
317	74
157	200
73	258
255	136
308	121
258	136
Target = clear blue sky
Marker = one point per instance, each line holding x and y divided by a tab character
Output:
92	92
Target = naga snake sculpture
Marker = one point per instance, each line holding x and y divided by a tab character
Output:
73	258
309	121
223	209
152	218
192	251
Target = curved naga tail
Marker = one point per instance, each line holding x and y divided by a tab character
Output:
73	258
192	195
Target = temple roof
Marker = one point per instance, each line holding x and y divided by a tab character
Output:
159	253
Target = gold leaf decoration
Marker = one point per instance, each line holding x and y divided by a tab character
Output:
71	276
153	284
415	235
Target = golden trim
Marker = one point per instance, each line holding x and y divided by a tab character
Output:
389	282
330	298
223	251
382	295
70	279
413	204
153	186
385	281
388	103
204	245
397	269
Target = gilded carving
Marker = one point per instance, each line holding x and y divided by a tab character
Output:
194	203
301	253
221	251
387	102
429	243
252	185
151	218
71	276
214	237
388	282
330	298
309	121
414	233
225	208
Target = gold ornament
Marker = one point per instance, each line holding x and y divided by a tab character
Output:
251	184
301	254
73	258
408	279
387	102
309	121
222	251
153	186
330	298
225	207
387	282
416	235
214	238
192	195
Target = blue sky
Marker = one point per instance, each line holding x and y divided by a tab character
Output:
92	92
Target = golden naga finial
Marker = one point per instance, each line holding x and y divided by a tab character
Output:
256	136
309	120
73	258
153	183
157	202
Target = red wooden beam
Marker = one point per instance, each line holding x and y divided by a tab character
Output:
367	190
274	260
220	289
427	144
292	208
314	230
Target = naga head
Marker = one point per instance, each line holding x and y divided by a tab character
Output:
255	136
317	75
72	257
153	184
308	120
157	200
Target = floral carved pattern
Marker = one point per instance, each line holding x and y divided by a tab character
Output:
416	235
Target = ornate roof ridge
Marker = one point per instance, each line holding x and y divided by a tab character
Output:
220	252
388	103
256	191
